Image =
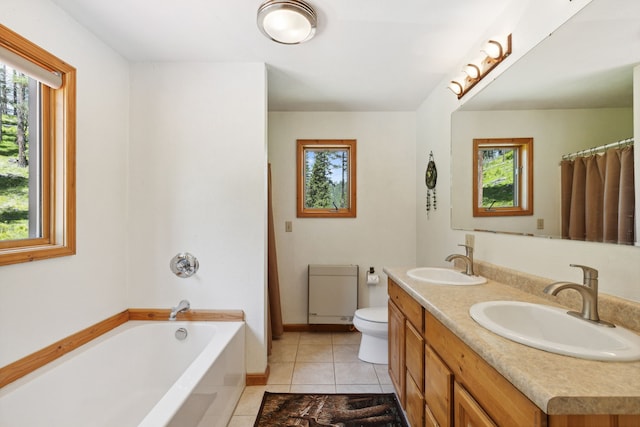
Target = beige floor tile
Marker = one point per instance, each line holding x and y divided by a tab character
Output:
315	353
388	388
287	338
383	373
242	421
283	353
280	373
345	353
251	398
315	338
355	373
358	388
250	401
313	388
313	373
346	338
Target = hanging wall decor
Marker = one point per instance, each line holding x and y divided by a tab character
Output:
431	177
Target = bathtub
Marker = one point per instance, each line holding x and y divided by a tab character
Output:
138	374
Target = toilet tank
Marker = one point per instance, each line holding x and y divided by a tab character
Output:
333	294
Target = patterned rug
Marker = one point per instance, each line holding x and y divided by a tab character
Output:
336	410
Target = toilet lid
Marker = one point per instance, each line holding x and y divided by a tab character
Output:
373	314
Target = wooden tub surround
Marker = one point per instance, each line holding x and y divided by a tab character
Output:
450	371
30	363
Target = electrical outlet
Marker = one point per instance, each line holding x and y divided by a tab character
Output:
288	226
470	240
540	224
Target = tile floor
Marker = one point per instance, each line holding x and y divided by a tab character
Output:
313	362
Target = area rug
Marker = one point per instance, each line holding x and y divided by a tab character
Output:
337	410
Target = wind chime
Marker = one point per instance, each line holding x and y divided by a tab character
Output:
430	178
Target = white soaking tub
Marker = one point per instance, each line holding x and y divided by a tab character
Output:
138	374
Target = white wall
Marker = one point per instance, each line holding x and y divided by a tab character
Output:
44	301
619	266
197	167
554	133
383	232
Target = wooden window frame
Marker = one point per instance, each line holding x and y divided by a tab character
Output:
525	181
58	118
301	146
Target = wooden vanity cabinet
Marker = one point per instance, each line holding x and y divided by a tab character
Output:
406	352
442	382
429	367
438	389
396	350
467	411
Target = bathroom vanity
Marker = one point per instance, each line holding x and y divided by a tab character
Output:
449	371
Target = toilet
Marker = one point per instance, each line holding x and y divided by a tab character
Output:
373	323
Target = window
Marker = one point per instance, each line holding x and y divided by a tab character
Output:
326	184
503	177
37	152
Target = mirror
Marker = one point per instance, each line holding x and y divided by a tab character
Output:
573	91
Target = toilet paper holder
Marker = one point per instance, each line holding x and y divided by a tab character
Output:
372	277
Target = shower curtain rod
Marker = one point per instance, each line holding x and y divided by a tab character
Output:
601	149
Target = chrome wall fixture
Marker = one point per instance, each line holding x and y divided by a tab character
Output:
494	52
184	265
287	21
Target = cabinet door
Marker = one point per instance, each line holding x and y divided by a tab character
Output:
414	355
429	419
438	388
414	403
396	350
467	411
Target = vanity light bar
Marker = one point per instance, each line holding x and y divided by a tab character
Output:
495	52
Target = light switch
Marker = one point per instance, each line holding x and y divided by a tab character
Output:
288	226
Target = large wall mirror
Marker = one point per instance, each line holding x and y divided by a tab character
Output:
572	92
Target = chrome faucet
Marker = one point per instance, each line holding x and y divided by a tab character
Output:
182	307
468	259
589	292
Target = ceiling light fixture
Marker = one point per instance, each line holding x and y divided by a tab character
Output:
287	21
495	52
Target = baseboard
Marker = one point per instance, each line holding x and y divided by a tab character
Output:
318	328
257	378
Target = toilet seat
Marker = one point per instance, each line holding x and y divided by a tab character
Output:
373	314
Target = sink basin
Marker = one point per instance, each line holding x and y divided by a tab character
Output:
552	329
444	276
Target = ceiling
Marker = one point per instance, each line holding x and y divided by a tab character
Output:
367	55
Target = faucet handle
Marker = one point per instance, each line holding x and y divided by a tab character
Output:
588	274
468	249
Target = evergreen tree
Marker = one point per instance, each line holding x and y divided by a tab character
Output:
318	191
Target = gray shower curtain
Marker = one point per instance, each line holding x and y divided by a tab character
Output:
598	198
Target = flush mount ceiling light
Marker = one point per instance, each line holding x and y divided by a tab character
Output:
495	51
287	21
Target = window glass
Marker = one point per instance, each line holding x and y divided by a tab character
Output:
20	198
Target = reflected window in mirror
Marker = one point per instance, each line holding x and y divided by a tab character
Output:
502	177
